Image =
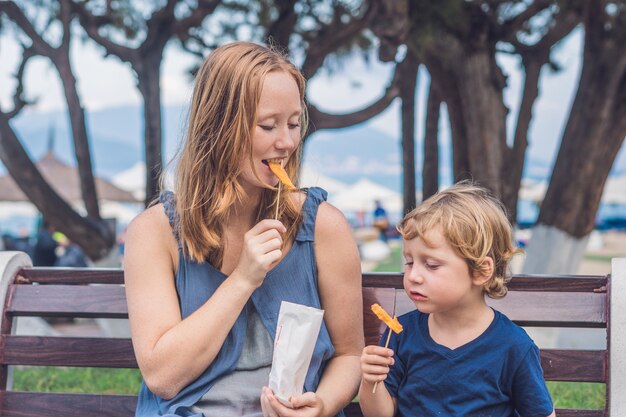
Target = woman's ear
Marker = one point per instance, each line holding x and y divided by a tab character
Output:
484	272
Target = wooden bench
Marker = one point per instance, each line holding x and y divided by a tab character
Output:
543	301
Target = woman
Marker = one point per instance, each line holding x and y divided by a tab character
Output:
207	268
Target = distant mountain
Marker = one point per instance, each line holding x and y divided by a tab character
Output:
116	136
346	154
361	151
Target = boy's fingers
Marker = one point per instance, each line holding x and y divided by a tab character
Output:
377	350
377	360
373	378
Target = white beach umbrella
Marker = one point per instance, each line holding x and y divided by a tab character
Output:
310	177
10	209
133	179
362	195
124	213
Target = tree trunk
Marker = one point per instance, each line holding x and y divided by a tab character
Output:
592	138
513	168
590	143
430	166
79	134
94	237
148	75
280	30
471	84
408	87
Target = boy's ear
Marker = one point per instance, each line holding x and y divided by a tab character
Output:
484	272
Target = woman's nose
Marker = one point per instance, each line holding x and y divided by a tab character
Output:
286	139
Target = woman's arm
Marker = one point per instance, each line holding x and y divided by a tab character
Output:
172	352
339	280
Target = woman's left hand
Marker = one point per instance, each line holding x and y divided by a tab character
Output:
305	405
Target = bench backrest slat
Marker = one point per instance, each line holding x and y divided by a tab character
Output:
586	310
550	309
103	301
574	365
530	283
73	275
36	404
68	351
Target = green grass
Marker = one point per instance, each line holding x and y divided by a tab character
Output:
393	263
127	381
598	258
91	380
577	394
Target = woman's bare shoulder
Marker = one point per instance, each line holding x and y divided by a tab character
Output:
152	229
330	221
152	219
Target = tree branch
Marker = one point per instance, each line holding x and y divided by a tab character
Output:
205	8
514	24
563	26
16	14
322	120
65	16
91	24
18	100
329	37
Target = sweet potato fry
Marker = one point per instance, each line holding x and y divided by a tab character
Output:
279	171
393	323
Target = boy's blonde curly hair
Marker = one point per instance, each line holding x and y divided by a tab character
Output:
474	223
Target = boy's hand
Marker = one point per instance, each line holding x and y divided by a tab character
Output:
375	363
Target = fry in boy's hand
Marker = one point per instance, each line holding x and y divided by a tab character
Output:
392	323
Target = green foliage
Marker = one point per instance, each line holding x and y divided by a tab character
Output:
89	380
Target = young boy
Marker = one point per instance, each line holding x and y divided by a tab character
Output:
456	355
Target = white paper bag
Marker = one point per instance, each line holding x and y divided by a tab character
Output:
296	333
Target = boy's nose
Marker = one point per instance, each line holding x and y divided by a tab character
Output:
414	275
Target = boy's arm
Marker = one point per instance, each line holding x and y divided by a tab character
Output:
380	404
375	362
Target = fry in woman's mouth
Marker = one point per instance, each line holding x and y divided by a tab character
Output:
278	170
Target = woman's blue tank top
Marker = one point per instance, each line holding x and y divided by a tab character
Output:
294	279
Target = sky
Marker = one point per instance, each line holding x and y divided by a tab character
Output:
108	82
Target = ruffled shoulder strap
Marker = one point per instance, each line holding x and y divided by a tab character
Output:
314	197
168	200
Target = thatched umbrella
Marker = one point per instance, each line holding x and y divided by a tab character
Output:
65	181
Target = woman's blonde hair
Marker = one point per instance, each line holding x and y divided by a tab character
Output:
476	226
222	119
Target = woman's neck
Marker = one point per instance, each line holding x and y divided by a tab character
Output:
244	213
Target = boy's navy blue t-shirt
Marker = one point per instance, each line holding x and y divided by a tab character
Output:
497	374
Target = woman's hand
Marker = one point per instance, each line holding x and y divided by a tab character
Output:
375	363
261	250
305	405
